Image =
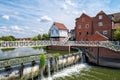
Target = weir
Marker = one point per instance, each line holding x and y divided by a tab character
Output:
31	70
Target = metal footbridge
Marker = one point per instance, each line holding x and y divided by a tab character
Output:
114	45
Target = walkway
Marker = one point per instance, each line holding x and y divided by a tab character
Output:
114	45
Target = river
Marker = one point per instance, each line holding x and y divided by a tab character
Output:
84	71
81	71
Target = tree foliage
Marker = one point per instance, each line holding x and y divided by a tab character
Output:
117	34
7	38
41	37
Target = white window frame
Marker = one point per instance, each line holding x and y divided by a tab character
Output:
100	24
100	17
105	32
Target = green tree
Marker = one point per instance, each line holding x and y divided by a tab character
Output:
117	34
45	37
8	38
39	37
35	38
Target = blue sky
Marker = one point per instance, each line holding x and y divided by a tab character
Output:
27	18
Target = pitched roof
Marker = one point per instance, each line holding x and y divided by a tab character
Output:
116	17
60	26
82	15
97	37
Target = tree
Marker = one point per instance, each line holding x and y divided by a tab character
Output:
45	37
39	37
8	38
35	38
117	34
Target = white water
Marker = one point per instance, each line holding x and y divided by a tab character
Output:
69	71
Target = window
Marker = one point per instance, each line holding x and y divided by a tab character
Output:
100	24
79	33
87	25
100	16
83	19
79	27
105	32
87	33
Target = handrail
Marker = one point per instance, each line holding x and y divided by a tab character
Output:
114	45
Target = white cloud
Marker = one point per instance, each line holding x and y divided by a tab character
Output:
6	17
69	2
64	6
76	12
45	19
17	28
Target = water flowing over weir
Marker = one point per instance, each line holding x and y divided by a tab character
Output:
53	67
74	69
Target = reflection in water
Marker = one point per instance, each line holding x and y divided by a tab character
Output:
20	52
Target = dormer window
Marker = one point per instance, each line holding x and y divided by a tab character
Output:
100	16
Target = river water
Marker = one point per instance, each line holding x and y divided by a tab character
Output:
84	71
81	71
19	52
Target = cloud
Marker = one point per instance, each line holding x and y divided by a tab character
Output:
69	2
64	6
45	19
17	28
6	17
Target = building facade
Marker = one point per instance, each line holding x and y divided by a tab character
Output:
98	28
58	32
83	28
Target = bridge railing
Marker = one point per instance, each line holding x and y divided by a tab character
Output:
114	45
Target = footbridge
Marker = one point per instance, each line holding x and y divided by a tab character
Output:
114	45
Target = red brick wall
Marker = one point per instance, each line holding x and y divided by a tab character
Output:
107	53
57	47
107	24
83	29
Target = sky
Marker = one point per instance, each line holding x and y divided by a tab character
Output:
28	18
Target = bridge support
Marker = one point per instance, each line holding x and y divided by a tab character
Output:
69	49
98	55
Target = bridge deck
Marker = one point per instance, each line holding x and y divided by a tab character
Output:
114	45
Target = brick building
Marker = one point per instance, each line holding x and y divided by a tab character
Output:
98	28
83	27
